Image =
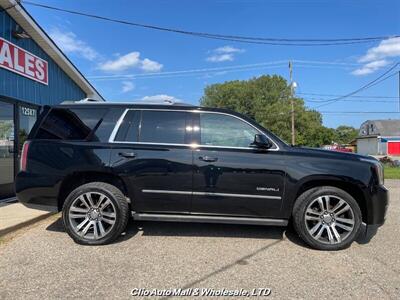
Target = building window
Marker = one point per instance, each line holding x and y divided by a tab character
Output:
27	117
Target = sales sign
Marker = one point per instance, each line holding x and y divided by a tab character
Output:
17	60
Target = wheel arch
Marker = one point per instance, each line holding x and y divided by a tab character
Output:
72	181
352	188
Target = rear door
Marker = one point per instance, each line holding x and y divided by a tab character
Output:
231	178
151	152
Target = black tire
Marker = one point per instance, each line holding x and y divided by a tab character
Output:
301	226
119	205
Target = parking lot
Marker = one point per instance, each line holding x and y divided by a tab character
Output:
43	262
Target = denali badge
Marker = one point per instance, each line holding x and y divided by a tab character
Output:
268	189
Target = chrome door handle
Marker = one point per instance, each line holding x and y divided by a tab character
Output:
208	158
127	154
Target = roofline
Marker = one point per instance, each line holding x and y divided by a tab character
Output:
37	33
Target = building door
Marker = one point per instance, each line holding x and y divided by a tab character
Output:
393	148
27	115
7	149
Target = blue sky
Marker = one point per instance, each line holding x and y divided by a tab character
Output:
112	51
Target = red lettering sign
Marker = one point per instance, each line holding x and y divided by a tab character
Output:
19	61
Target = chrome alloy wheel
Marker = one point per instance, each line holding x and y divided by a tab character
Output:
329	219
92	215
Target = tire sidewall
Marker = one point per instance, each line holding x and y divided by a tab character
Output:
115	231
299	217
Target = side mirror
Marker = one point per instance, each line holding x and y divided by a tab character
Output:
261	141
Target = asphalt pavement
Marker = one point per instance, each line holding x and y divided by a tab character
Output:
42	262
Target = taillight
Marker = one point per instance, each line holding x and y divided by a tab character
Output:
24	156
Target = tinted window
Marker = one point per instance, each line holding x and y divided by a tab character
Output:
224	130
70	124
129	128
163	127
107	125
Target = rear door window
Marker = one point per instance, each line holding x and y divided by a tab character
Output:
166	127
129	128
70	123
153	126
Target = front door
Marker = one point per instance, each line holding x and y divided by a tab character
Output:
7	150
152	154
230	177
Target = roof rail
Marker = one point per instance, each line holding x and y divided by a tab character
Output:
162	101
84	100
139	102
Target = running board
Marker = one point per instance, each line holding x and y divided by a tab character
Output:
208	219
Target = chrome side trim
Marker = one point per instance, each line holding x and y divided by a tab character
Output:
119	122
237	195
211	194
167	192
208	219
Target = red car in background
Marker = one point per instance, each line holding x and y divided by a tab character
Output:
338	148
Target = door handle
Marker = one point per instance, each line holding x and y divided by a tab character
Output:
127	154
208	158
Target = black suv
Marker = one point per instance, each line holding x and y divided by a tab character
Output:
98	163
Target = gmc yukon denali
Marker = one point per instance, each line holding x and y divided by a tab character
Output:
99	163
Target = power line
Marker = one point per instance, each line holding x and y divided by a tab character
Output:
191	72
372	83
234	38
355	96
359	112
351	100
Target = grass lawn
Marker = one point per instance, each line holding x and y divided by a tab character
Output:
392	172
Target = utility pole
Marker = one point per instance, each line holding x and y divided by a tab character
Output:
292	101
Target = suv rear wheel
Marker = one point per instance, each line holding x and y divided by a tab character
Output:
95	213
327	218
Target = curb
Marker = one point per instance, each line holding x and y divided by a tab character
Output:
25	224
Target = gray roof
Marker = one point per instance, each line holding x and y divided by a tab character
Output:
380	128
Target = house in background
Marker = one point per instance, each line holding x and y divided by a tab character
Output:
379	137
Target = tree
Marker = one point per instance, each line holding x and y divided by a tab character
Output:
345	134
266	100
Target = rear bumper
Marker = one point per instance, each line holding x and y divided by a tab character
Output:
377	206
35	192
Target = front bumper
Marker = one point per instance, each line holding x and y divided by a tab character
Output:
377	206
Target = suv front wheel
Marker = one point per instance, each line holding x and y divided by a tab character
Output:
95	213
327	218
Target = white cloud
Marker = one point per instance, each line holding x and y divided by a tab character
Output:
225	53
221	57
160	98
122	63
370	67
129	61
69	43
376	57
228	49
127	86
386	48
150	65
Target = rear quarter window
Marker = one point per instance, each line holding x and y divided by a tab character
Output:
70	123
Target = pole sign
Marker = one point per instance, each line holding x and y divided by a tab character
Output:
22	62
